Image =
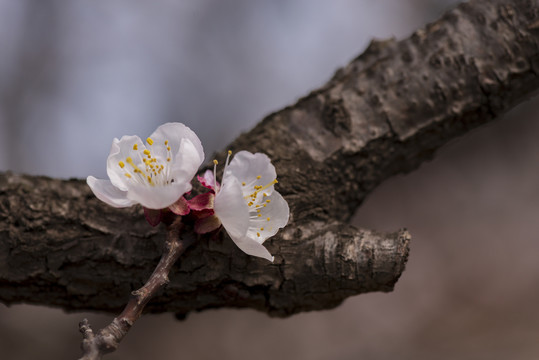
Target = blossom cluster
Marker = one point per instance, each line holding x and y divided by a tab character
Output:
157	174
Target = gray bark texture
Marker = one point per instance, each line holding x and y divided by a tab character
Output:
384	113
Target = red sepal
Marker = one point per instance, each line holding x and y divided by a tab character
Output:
153	217
207	224
202	201
180	207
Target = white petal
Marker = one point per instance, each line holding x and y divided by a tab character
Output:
251	247
157	197
247	167
119	152
174	133
105	191
276	210
231	209
186	162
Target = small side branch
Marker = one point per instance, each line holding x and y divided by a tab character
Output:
106	340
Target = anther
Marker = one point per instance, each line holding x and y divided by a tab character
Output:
229	152
268	218
135	147
128	175
259	215
215	162
258	234
121	163
149	141
146	152
166	142
258	177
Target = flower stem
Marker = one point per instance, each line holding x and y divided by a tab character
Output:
106	340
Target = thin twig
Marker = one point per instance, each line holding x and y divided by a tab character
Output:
106	340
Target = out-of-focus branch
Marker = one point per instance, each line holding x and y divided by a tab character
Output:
384	113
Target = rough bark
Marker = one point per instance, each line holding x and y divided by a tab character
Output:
384	113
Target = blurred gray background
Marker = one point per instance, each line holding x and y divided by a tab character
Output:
75	74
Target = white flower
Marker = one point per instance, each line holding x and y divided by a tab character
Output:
247	204
154	175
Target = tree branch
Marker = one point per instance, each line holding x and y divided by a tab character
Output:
106	340
384	113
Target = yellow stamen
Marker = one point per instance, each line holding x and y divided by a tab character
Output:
243	184
229	152
135	147
128	175
258	234
268	218
168	159
146	152
268	201
121	163
258	177
168	148
215	162
129	160
259	188
261	229
149	141
259	215
166	142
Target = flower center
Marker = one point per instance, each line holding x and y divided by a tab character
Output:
257	189
255	207
155	171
